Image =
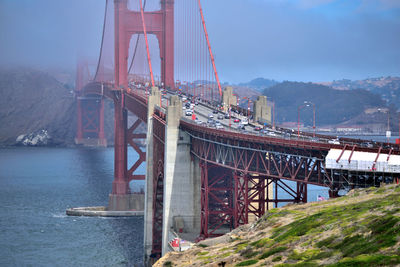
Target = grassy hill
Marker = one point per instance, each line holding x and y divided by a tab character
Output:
360	229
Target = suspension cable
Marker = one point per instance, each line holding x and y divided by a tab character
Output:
102	40
136	45
147	43
209	48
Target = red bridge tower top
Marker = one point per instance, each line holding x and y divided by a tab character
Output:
159	23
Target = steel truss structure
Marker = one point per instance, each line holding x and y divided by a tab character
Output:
90	117
229	198
236	174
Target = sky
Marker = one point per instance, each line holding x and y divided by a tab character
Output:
296	40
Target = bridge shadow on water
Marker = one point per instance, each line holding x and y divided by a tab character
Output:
97	165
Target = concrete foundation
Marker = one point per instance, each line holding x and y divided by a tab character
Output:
126	202
262	112
101	211
228	99
91	142
181	179
153	100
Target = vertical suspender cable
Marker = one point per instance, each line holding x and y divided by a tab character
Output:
102	41
136	45
147	45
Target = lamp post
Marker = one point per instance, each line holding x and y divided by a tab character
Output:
273	115
306	104
388	133
248	109
298	120
398	139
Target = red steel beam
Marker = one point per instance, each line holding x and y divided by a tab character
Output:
351	154
376	159
341	154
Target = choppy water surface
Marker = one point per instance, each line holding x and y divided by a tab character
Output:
37	185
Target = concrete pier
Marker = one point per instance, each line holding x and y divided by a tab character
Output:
126	202
181	181
262	112
153	101
228	99
101	211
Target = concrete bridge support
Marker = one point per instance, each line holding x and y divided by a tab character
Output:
228	99
153	101
181	209
262	113
180	196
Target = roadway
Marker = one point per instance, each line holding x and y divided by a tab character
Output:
209	116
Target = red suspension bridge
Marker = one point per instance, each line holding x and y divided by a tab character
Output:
210	180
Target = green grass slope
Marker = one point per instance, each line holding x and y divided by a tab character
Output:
360	229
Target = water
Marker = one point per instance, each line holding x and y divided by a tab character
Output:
37	185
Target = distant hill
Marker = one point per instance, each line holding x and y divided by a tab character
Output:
387	87
259	83
332	106
243	91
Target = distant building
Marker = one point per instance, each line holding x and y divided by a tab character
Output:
349	129
374	110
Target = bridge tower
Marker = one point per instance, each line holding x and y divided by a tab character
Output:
127	23
160	23
90	112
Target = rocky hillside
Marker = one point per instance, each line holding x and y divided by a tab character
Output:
360	229
259	84
32	101
370	84
387	87
332	106
37	109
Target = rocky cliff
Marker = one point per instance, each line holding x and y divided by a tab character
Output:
33	103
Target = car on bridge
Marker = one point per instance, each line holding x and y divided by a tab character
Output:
241	127
334	142
269	133
226	116
188	112
257	129
236	120
220	117
215	111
